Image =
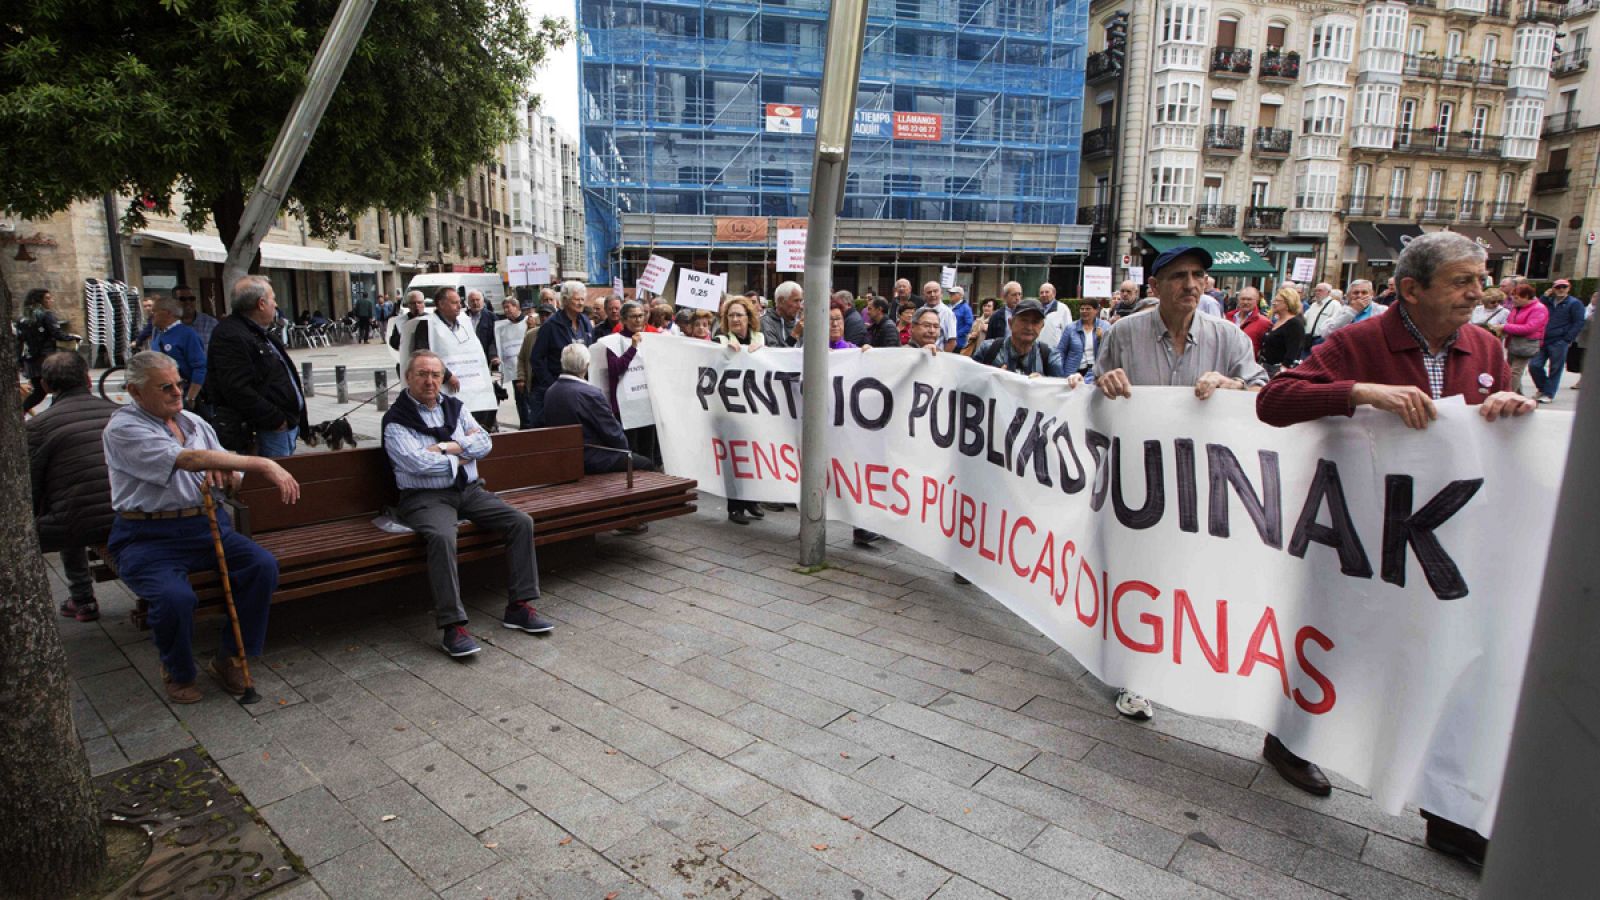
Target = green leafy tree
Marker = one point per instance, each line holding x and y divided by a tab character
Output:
150	98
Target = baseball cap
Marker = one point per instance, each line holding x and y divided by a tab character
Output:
1028	306
1169	256
1562	282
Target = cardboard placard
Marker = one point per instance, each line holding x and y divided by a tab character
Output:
700	290
1097	281
655	274
528	270
791	250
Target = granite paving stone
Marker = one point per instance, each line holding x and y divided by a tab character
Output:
1105	868
315	825
824	787
369	870
337	760
580	808
671	867
266	774
1114	828
894	684
430	843
607	768
815	744
850	848
1349	878
1235	877
731	787
979	742
799	704
1009	826
464	793
792	873
1006	872
913	749
684	721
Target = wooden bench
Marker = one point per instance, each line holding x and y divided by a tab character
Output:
327	541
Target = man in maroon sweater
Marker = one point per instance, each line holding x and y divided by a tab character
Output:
1421	351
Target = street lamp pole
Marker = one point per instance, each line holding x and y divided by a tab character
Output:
836	114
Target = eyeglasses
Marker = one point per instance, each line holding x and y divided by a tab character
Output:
169	387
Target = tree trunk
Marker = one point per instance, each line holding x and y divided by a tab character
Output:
48	816
226	212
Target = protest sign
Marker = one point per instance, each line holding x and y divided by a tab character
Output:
1136	274
655	274
633	390
791	250
700	290
1342	583
528	270
1305	269
947	277
1097	281
616	286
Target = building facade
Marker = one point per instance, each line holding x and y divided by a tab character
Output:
1563	219
697	136
1332	131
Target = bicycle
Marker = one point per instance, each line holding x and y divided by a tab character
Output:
113	385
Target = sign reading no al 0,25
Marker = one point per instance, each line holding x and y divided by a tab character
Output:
700	290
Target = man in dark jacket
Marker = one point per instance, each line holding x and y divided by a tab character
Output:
483	319
881	330
251	381
567	326
572	400
1566	321
71	490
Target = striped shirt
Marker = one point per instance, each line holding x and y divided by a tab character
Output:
415	468
1433	362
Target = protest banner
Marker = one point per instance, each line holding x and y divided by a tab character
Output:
529	270
1305	269
633	390
1097	281
791	250
655	274
700	290
1344	584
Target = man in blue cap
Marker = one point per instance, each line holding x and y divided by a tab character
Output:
1171	345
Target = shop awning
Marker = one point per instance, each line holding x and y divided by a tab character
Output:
1292	247
1373	246
1511	238
1398	236
1485	238
208	248
1230	255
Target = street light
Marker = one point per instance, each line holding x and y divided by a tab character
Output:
841	73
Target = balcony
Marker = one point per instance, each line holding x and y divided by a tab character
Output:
1277	65
1576	8
1466	7
1364	206
1499	9
1098	216
1216	218
1552	182
1416	66
1272	142
1539	11
1471	210
1100	142
1570	62
1429	4
1432	141
1505	213
1167	217
1397	208
1224	139
1436	209
1264	218
1102	66
1556	123
1231	62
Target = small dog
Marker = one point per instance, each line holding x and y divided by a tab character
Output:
336	433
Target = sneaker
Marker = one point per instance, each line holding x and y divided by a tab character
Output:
87	611
229	673
179	691
522	616
1543	399
69	608
456	642
1134	706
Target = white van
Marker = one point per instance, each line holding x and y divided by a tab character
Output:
489	283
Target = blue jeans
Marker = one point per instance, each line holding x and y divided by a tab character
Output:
155	558
277	443
1555	355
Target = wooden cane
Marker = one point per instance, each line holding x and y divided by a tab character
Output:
249	695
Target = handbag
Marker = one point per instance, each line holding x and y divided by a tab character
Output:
1522	347
1575	356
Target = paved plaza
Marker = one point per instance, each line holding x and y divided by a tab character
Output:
705	722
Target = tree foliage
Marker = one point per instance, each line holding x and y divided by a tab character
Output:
147	98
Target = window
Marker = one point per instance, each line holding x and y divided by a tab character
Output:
405	231
1579	39
1416	38
1453	42
1408	121
1532	47
1171	184
1212	193
1277	35
1435	183
1315	186
1491	47
1469	188
1183	24
1358	183
1397	190
1267	116
427	234
1260	193
1228	32
1332	39
1219	113
1480	125
1384	27
1178	103
1447	113
1503	192
1324	115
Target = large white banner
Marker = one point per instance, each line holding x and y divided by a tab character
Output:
1363	591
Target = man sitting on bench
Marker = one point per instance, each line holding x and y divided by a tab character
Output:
434	450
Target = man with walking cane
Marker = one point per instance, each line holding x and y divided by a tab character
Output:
158	455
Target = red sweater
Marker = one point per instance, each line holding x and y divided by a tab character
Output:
1255	325
1378	351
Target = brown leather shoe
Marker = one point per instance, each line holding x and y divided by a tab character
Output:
180	692
229	673
1302	774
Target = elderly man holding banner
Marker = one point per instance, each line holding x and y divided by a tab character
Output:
1403	363
454	339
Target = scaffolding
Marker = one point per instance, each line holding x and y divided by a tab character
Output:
676	98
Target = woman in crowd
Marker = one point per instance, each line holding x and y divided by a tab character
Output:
39	333
632	329
905	325
1491	310
1523	330
737	334
836	339
1281	346
700	324
661	318
986	309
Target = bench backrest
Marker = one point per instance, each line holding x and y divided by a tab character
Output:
349	483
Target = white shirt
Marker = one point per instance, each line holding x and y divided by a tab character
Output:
947	324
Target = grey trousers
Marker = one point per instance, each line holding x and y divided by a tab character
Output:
75	563
433	515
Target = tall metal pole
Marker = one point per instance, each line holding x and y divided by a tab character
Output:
298	130
1549	818
836	114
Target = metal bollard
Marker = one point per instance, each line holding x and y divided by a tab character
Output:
380	379
306	384
340	386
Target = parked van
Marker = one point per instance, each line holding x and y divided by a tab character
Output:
488	283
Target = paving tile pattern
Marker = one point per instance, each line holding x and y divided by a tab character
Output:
706	722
